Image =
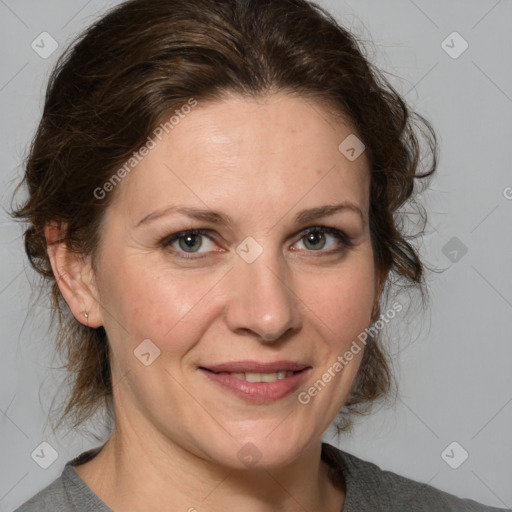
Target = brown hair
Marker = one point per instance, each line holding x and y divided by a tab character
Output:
146	58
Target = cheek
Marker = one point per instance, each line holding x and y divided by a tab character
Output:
148	301
174	308
342	302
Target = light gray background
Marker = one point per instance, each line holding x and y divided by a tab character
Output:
453	364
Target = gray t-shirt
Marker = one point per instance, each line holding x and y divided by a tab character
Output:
367	488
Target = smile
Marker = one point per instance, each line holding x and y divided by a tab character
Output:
258	387
259	377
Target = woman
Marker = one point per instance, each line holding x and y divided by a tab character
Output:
212	191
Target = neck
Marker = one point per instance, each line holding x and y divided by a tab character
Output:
134	472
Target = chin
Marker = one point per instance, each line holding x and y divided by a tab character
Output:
257	451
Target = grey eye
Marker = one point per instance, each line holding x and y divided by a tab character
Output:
190	243
315	240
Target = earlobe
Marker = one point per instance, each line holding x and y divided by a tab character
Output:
75	277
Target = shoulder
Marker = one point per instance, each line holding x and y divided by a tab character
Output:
52	498
66	493
370	488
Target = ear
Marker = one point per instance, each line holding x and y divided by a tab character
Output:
75	277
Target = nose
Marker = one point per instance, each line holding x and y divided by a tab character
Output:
262	299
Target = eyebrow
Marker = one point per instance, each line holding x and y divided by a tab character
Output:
213	217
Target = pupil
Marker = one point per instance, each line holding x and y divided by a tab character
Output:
189	244
314	238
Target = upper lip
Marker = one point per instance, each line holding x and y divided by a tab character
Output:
256	367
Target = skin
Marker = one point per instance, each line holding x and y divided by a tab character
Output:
177	435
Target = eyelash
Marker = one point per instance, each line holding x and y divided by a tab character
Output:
345	241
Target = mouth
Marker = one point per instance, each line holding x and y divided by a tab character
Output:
257	377
257	382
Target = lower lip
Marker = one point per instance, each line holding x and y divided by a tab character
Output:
258	392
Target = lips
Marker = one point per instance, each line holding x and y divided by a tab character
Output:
256	367
258	382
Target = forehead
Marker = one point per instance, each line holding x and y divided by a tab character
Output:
262	153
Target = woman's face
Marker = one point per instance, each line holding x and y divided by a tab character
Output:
251	288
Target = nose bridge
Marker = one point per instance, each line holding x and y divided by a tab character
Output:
262	296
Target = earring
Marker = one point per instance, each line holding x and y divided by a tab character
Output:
86	315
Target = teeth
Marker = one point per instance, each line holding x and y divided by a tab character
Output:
259	377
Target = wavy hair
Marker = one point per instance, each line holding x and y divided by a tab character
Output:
145	58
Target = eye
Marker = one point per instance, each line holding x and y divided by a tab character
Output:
189	242
317	239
